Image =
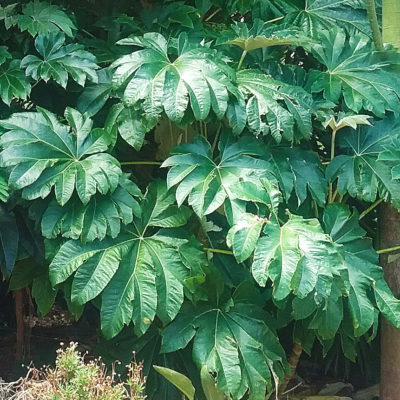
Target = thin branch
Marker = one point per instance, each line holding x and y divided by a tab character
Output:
212	15
388	250
141	163
370	208
219	251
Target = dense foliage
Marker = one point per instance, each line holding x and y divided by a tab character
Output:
205	173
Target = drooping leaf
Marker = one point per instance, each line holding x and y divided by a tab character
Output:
148	76
139	274
359	169
234	342
271	107
13	82
40	17
298	172
364	78
45	153
58	61
94	96
43	293
344	121
207	184
102	216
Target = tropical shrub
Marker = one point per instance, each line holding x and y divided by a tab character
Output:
205	173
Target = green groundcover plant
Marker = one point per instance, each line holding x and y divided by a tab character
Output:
204	173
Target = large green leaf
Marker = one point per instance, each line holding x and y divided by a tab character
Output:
270	106
39	17
298	257
314	15
179	380
58	61
13	82
139	274
366	79
234	342
148	76
4	192
360	170
366	287
102	216
45	153
237	176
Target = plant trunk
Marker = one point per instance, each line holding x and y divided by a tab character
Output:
389	221
389	233
19	316
293	361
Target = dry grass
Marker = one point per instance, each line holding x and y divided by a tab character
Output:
74	379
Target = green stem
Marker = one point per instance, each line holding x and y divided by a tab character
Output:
214	145
333	139
219	251
373	22
370	208
274	20
241	59
388	250
141	163
212	15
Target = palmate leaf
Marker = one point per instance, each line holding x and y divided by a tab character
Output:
102	216
270	106
360	169
208	185
298	257
13	82
366	79
234	342
58	61
9	15
39	17
139	274
196	76
314	15
45	153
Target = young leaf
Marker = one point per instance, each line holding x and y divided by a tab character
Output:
148	75
361	171
366	79
58	61
139	274
233	342
39	17
13	82
45	153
